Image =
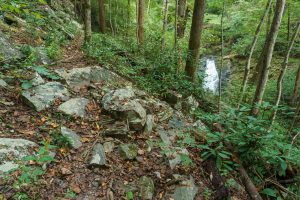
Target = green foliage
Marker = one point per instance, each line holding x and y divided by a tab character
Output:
130	195
30	174
70	194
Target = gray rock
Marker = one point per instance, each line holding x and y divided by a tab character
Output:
187	190
121	106
3	84
16	148
149	124
174	156
190	104
42	96
98	156
75	106
128	151
42	56
37	80
102	75
173	97
116	130
8	51
76	78
108	146
72	137
146	186
80	77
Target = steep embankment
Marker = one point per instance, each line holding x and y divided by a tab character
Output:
70	130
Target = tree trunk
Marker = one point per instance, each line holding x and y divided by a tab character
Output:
102	24
282	72
87	21
222	54
195	36
266	56
296	87
288	22
165	22
140	28
181	14
175	24
252	48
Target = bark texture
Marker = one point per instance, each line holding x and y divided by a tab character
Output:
296	88
165	22
87	21
266	56
181	18
195	36
140	28
252	48
102	24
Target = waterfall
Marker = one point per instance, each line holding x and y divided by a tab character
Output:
211	79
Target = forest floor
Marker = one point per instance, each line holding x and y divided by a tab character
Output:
70	176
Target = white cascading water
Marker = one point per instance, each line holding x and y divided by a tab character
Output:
211	79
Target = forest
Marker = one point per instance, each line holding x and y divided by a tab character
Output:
150	99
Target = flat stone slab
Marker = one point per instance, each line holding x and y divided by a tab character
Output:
187	190
42	96
98	156
16	148
75	106
72	137
77	78
3	84
8	51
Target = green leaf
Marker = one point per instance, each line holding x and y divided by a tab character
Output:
28	158
26	85
45	159
269	192
130	195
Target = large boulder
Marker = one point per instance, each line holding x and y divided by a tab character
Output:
75	106
42	96
8	51
80	77
12	150
122	105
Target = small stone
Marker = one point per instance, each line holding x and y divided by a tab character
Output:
72	137
37	80
65	171
75	106
187	190
3	84
108	147
128	151
141	152
146	186
149	124
98	156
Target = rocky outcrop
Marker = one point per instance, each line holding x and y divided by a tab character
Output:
121	105
16	149
8	51
42	96
81	77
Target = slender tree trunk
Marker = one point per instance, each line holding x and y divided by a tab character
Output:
102	23
282	72
252	48
87	21
195	36
296	87
289	22
266	57
140	28
165	22
222	54
181	18
128	18
175	24
294	119
110	17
